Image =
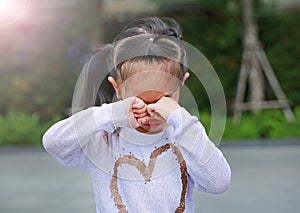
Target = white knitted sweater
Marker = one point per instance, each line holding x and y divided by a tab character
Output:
137	172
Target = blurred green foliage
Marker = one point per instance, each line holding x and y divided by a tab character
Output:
265	124
22	128
280	36
41	59
216	29
37	76
27	129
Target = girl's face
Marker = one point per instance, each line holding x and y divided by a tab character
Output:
150	86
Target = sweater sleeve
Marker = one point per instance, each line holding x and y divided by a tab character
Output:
67	139
206	164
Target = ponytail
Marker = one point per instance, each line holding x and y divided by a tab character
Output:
93	88
105	93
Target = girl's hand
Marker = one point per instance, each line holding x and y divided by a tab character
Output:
139	109
163	107
136	111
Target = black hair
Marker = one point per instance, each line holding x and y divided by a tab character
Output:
147	29
151	25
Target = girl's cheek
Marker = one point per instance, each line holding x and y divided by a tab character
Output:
176	95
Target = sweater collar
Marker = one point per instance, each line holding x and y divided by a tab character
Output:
133	136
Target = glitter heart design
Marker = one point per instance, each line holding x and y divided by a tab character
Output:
146	172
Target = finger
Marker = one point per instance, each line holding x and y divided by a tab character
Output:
140	115
143	120
151	109
132	121
133	101
156	116
139	111
138	103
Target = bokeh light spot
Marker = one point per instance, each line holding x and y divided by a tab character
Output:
11	10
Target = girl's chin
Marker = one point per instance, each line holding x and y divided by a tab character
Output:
151	128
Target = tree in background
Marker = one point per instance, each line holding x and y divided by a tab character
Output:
256	66
216	29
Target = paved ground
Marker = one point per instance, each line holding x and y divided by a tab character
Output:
264	179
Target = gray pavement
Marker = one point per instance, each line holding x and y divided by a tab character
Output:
264	179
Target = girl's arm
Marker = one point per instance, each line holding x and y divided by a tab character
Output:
205	162
72	140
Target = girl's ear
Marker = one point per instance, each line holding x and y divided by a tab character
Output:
186	76
113	83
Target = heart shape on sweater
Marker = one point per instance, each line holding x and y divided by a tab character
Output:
146	172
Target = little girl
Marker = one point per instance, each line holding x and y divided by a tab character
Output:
144	152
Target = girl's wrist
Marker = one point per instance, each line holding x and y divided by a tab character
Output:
119	113
175	118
